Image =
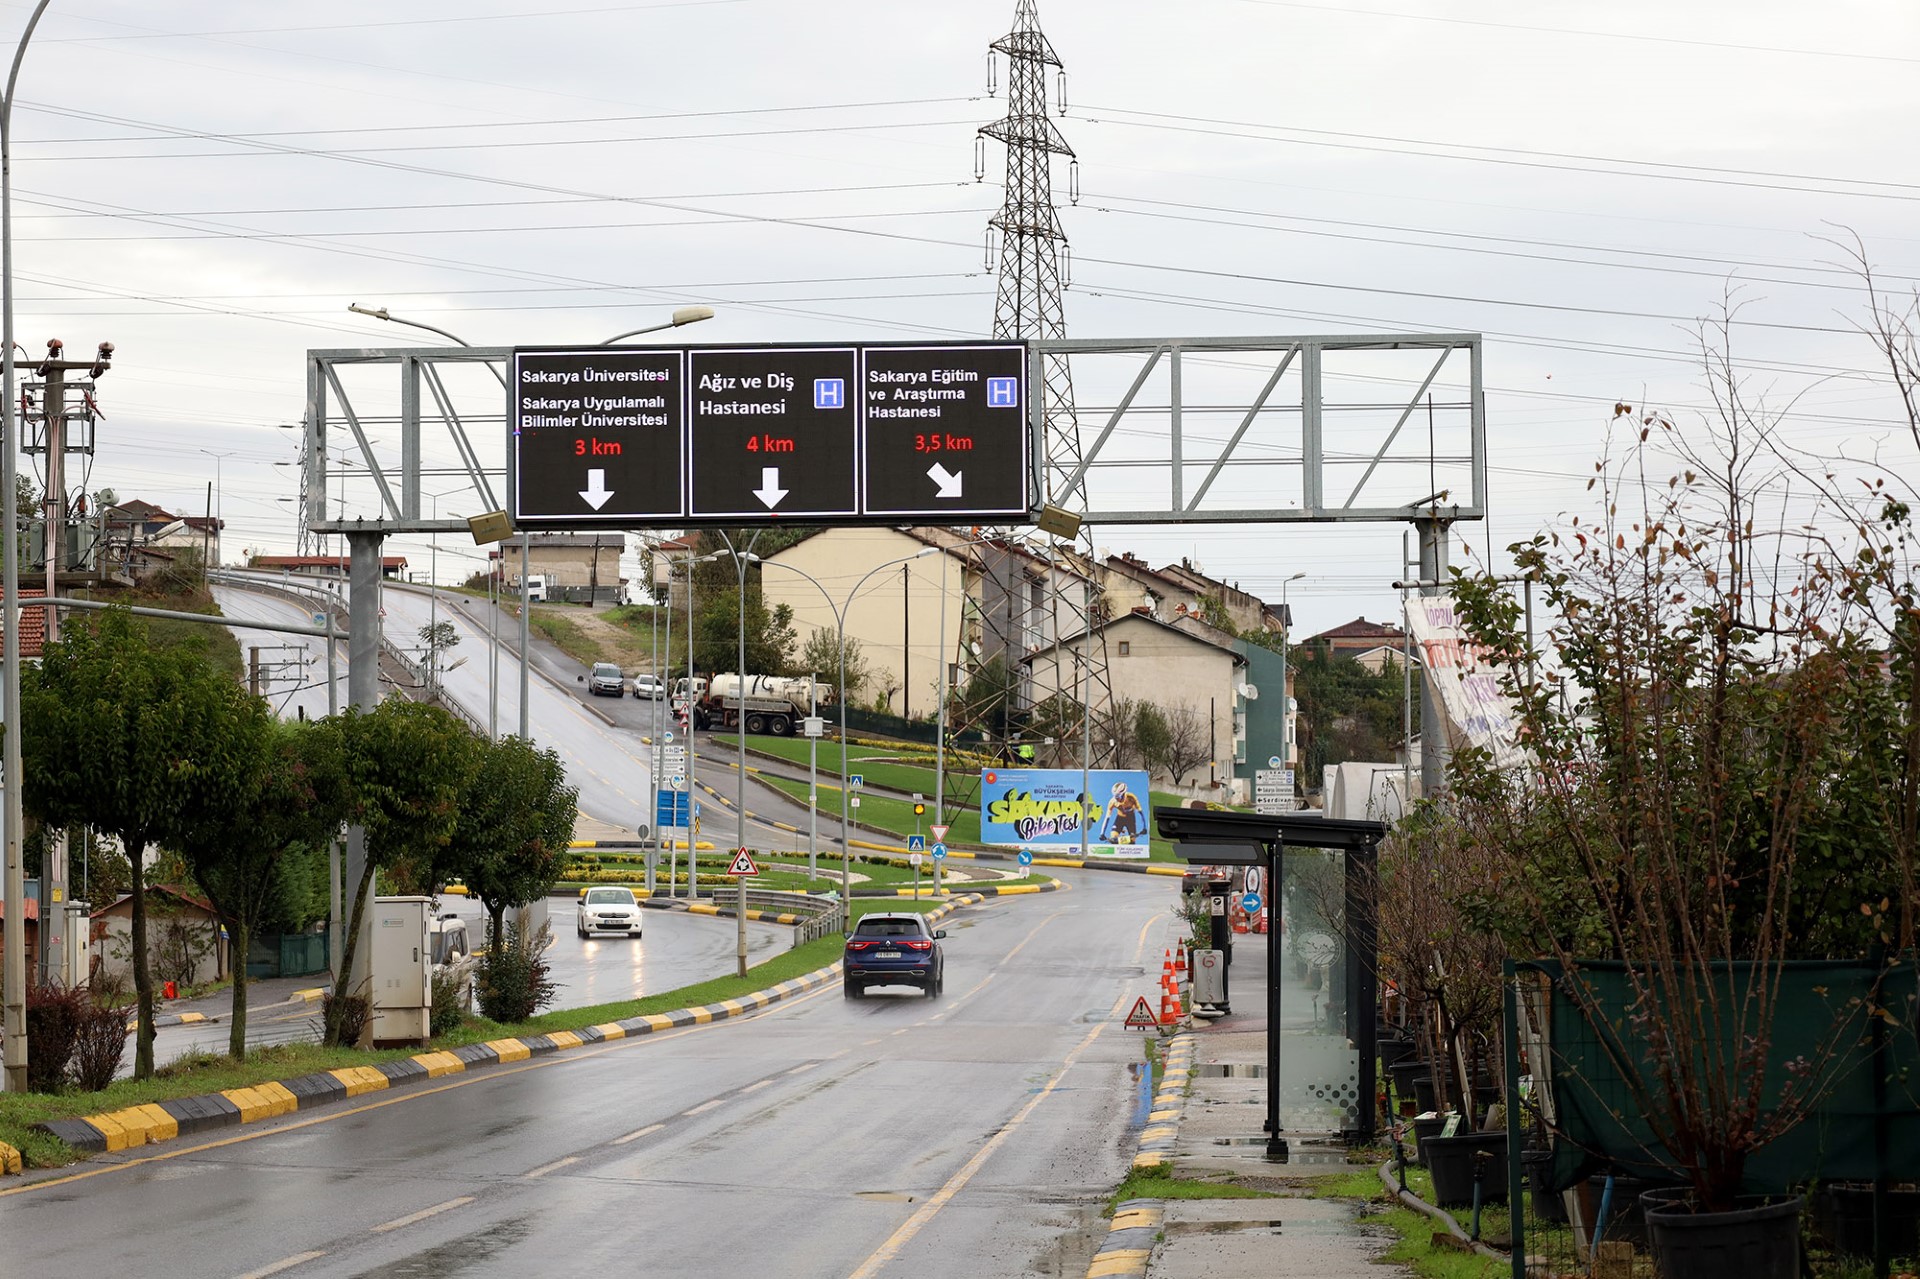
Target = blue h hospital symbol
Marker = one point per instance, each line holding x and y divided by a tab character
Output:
1003	392
829	393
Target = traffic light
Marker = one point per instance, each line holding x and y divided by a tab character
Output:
919	810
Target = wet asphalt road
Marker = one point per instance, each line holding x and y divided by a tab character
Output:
976	1134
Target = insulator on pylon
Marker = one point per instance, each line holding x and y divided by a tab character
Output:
1060	82
1073	181
1066	266
987	257
993	75
979	158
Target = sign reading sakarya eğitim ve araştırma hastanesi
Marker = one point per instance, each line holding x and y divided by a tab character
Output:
1046	809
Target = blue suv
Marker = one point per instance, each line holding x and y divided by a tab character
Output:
893	950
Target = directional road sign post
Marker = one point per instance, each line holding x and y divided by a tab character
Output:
1026	857
638	437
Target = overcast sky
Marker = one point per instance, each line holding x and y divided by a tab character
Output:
208	185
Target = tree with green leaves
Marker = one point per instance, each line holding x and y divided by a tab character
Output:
821	655
515	826
254	854
138	742
770	633
407	769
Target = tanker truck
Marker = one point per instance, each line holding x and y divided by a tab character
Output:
771	703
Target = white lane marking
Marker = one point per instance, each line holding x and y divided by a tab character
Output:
637	1134
288	1263
413	1217
705	1106
754	1087
557	1164
799	1069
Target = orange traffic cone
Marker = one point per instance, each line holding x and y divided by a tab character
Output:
1180	963
1169	1008
1166	968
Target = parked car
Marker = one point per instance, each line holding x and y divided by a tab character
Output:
608	910
649	686
893	950
453	956
605	680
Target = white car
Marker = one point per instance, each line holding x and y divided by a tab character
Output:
649	686
608	910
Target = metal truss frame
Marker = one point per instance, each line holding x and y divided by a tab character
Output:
424	397
1309	354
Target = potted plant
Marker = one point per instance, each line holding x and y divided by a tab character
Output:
1722	780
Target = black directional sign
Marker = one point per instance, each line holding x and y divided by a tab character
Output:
598	436
664	437
775	433
946	430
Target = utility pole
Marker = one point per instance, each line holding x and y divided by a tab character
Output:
1035	269
56	430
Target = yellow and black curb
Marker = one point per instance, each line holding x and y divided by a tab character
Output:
185	1116
1136	1223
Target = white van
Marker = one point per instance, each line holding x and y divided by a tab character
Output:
536	588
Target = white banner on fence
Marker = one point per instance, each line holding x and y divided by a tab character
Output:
1478	712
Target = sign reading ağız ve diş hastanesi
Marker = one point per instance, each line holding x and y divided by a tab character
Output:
1045	809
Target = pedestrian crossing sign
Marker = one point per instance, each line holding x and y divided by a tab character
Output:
742	865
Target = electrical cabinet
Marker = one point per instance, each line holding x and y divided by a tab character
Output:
402	968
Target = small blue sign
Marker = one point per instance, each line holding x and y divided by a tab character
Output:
939	852
829	393
1251	903
855	782
1026	858
916	843
673	809
1003	392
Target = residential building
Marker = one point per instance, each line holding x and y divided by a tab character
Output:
136	525
180	926
33	626
1191	673
896	615
581	568
1372	644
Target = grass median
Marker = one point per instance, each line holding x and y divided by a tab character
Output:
198	1074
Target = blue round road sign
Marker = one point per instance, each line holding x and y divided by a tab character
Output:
1026	858
939	852
1250	902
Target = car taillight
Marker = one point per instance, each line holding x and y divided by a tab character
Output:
858	945
919	945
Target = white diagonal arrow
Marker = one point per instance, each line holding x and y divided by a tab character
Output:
596	493
770	491
949	481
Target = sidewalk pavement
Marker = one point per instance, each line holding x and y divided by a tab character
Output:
1291	1236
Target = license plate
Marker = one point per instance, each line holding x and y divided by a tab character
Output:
886	954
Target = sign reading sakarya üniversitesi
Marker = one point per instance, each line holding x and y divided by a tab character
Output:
668	436
1055	809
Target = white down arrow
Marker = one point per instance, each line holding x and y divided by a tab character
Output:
770	491
596	493
949	481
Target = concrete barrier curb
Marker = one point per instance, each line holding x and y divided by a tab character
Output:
1136	1223
185	1116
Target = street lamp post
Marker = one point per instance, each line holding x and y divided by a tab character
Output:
740	561
839	612
13	969
1286	694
